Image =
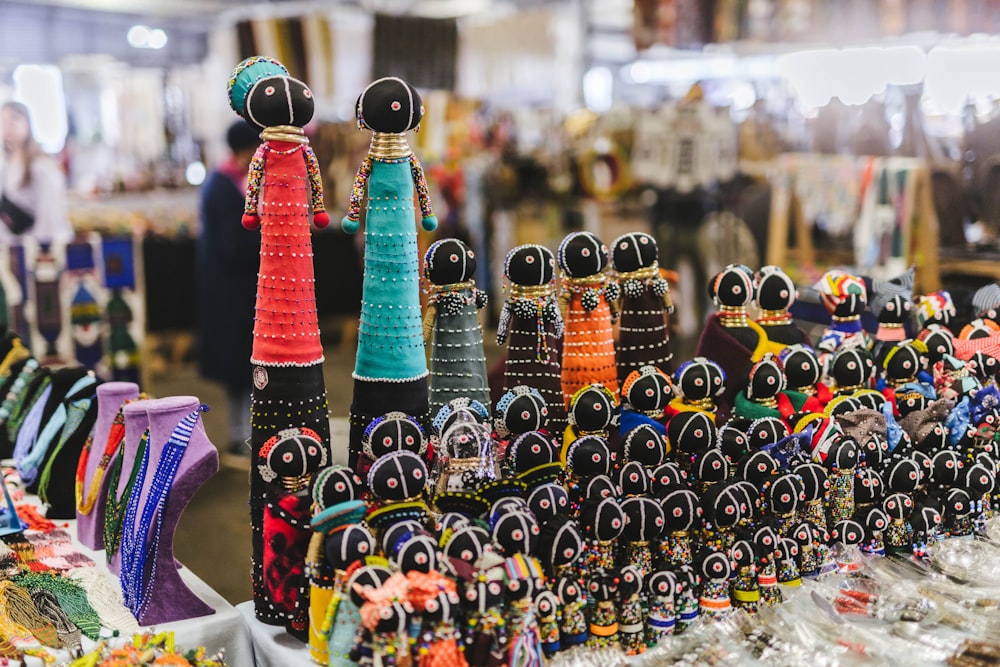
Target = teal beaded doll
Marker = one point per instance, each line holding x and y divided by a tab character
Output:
452	327
390	371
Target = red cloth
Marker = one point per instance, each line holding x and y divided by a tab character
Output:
286	540
286	328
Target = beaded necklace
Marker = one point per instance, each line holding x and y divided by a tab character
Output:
116	505
15	392
116	436
29	466
76	414
139	543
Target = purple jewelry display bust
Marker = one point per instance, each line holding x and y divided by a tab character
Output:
170	599
136	423
110	396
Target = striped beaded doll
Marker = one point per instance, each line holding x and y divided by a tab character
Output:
284	184
643	335
390	370
588	300
660	618
602	588
452	327
716	572
532	327
631	619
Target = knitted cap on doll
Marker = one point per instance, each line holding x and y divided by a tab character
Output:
935	308
837	288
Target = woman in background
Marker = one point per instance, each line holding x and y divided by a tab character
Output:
228	258
33	186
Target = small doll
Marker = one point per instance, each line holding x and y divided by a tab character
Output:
715	571
852	369
451	325
345	547
745	590
588	300
844	296
875	522
386	614
588	457
891	320
396	483
519	410
390	369
686	601
765	382
643	333
548	501
958	513
979	481
869	489
764	433
532	458
467	544
435	598
532	327
787	557
284	185
560	544
602	587
785	493
841	461
803	374
547	605
646	446
348	615
730	337
926	522
286	462
900	365
515	532
643	525
812	548
700	381
603	522
661	587
775	296
485	637
766	544
593	410
899	533
631	626
646	393
392	432
523	577
940	342
691	435
573	628
723	507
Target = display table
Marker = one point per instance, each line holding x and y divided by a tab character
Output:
225	629
272	645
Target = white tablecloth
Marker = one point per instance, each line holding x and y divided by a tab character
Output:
272	646
223	629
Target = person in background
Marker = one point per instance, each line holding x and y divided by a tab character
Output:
32	186
227	262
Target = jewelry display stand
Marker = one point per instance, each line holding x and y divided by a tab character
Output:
136	423
110	396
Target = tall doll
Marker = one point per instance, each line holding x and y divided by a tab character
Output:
452	327
589	302
284	185
532	328
390	370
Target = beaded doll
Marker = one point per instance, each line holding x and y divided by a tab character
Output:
681	510
643	335
979	481
452	327
435	598
892	318
844	296
485	636
841	461
523	578
593	410
812	548
631	619
646	393
346	547
532	327
390	369
660	619
899	533
587	458
788	563
643	525
776	294
547	606
386	614
573	629
745	591
602	587
784	493
716	571
958	513
286	462
766	545
730	337
519	410
588	299
686	596
284	185
803	372
603	521
700	382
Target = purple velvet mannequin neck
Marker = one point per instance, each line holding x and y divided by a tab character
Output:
136	422
110	395
169	597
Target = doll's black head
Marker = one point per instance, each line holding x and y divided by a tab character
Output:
978	479
389	105
530	450
903	361
870	399
983	365
850	305
896	310
911	401
530	265
398	533
334	485
925	519
800	365
733	286
723	507
946	468
904	475
681	509
548	501
644	445
599	488
931	439
449	261
712	466
666	477
742	553
393	432
939	341
648	389
733	440
369	576
630	582
691	432
568	590
714	565
775	290
560	542
849	532
868	486
484	592
897	505
766	378
441	608
699	379
588	457
805	533
643	519
397	476
468	544
279	100
293	453
515	533
785	494
756	467
602	520
765	431
843	454
521	409
582	254
633	479
592	408
662	584
852	366
603	585
348	545
547	604
814	479
633	251
418	554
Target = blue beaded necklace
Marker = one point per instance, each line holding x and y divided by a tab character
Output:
141	538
